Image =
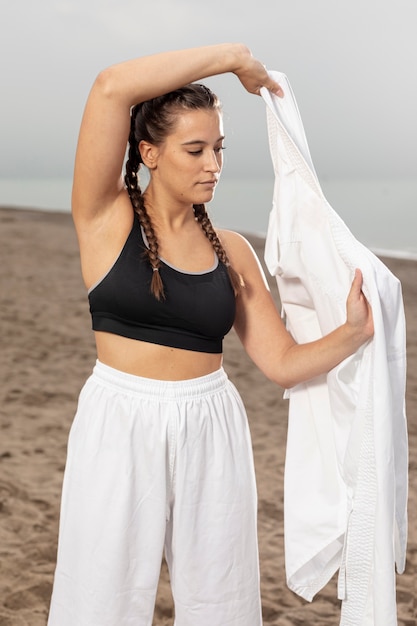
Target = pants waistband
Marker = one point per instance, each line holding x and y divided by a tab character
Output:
164	389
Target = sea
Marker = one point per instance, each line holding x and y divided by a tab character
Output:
381	214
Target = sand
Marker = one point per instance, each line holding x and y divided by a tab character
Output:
47	352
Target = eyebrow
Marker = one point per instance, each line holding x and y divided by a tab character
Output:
200	141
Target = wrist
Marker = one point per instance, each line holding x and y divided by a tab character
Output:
354	336
241	55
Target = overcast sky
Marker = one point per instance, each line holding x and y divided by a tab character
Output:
351	63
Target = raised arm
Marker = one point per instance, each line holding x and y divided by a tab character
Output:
266	339
105	125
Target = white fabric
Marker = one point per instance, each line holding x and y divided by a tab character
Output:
346	460
154	464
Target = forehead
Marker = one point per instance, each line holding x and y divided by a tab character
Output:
198	124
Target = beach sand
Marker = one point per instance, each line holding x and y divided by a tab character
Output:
47	352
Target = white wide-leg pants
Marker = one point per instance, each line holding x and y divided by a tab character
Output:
156	465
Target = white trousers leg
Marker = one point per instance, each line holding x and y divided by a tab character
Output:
154	465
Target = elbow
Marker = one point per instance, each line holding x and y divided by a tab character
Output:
106	83
281	379
112	85
280	369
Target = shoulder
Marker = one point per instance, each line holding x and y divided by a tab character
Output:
234	242
245	261
240	251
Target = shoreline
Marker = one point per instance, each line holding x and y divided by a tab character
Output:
48	351
379	252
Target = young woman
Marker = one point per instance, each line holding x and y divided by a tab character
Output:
159	455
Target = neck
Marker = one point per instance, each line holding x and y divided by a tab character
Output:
165	214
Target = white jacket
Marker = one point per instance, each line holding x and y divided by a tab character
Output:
347	453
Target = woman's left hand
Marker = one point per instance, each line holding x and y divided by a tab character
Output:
358	309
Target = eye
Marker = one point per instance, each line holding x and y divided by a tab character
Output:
217	150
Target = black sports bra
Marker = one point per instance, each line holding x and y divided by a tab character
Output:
198	310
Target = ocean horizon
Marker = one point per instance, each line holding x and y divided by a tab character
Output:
381	214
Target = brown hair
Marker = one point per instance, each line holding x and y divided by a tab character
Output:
152	121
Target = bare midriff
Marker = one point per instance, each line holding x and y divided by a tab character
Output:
152	360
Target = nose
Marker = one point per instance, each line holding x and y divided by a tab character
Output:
213	161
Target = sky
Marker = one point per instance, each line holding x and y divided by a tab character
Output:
351	64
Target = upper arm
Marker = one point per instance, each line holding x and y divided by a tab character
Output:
258	322
106	122
100	151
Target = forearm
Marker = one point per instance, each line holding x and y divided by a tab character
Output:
147	77
302	362
267	341
106	121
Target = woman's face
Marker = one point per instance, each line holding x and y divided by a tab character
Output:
186	166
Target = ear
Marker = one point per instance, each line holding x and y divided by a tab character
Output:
149	154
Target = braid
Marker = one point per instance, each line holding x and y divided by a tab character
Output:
132	184
152	121
203	219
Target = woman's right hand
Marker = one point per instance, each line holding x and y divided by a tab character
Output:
253	75
104	131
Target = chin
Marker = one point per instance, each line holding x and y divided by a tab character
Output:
204	198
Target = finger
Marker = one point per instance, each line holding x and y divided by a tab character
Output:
358	276
273	87
357	283
276	89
